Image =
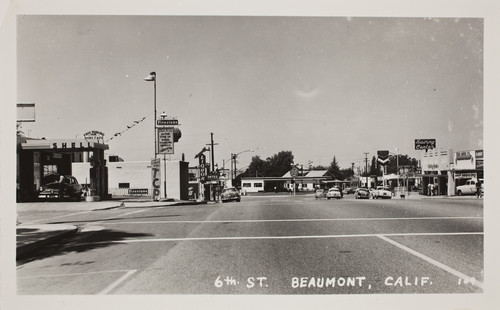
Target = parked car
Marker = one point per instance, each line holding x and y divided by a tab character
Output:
362	193
230	194
320	193
381	192
333	192
469	188
348	190
60	187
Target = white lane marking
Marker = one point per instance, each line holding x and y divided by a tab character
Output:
72	274
116	283
281	237
433	262
297	220
56	217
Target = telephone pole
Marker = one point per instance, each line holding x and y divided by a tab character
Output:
212	149
366	168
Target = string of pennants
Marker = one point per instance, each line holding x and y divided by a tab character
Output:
136	122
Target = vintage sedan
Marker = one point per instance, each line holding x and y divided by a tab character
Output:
230	194
320	193
60	187
381	192
362	193
333	192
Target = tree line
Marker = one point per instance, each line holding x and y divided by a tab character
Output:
279	164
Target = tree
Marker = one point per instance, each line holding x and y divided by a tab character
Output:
404	160
257	167
274	166
374	168
334	169
279	164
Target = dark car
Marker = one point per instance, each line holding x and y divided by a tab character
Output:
60	187
362	193
230	194
348	190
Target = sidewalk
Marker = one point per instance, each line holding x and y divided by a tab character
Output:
32	237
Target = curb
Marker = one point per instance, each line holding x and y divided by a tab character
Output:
32	246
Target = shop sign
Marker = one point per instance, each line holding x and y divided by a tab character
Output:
462	175
479	164
155	178
433	166
425	144
93	135
465	160
166	140
202	167
138	191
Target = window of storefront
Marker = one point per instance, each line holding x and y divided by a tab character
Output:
123	185
257	185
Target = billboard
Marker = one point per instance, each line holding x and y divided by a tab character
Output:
425	144
166	140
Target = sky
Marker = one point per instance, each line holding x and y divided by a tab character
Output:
317	86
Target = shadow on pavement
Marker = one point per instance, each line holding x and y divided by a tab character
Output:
116	219
81	242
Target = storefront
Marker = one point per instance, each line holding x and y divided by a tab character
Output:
467	165
37	158
436	172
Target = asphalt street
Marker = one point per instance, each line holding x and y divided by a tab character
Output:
263	245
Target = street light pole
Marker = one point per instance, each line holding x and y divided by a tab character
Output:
149	78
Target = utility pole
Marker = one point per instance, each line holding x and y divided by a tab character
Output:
366	168
212	148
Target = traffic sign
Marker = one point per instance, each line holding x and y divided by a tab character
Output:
294	172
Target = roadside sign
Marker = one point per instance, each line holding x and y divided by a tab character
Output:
166	122
383	157
166	140
425	144
155	178
294	172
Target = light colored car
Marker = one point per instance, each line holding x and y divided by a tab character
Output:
362	193
469	188
230	194
333	193
320	193
381	192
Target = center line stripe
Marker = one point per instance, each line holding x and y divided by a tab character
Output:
116	283
433	262
281	237
298	220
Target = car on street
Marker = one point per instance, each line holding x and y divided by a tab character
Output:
381	192
60	187
230	194
333	192
348	190
320	193
469	188
362	193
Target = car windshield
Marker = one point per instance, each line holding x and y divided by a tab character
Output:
333	189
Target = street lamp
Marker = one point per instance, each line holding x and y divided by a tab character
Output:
149	78
233	159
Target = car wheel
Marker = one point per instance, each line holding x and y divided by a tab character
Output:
238	200
459	193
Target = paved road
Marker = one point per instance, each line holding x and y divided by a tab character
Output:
265	245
